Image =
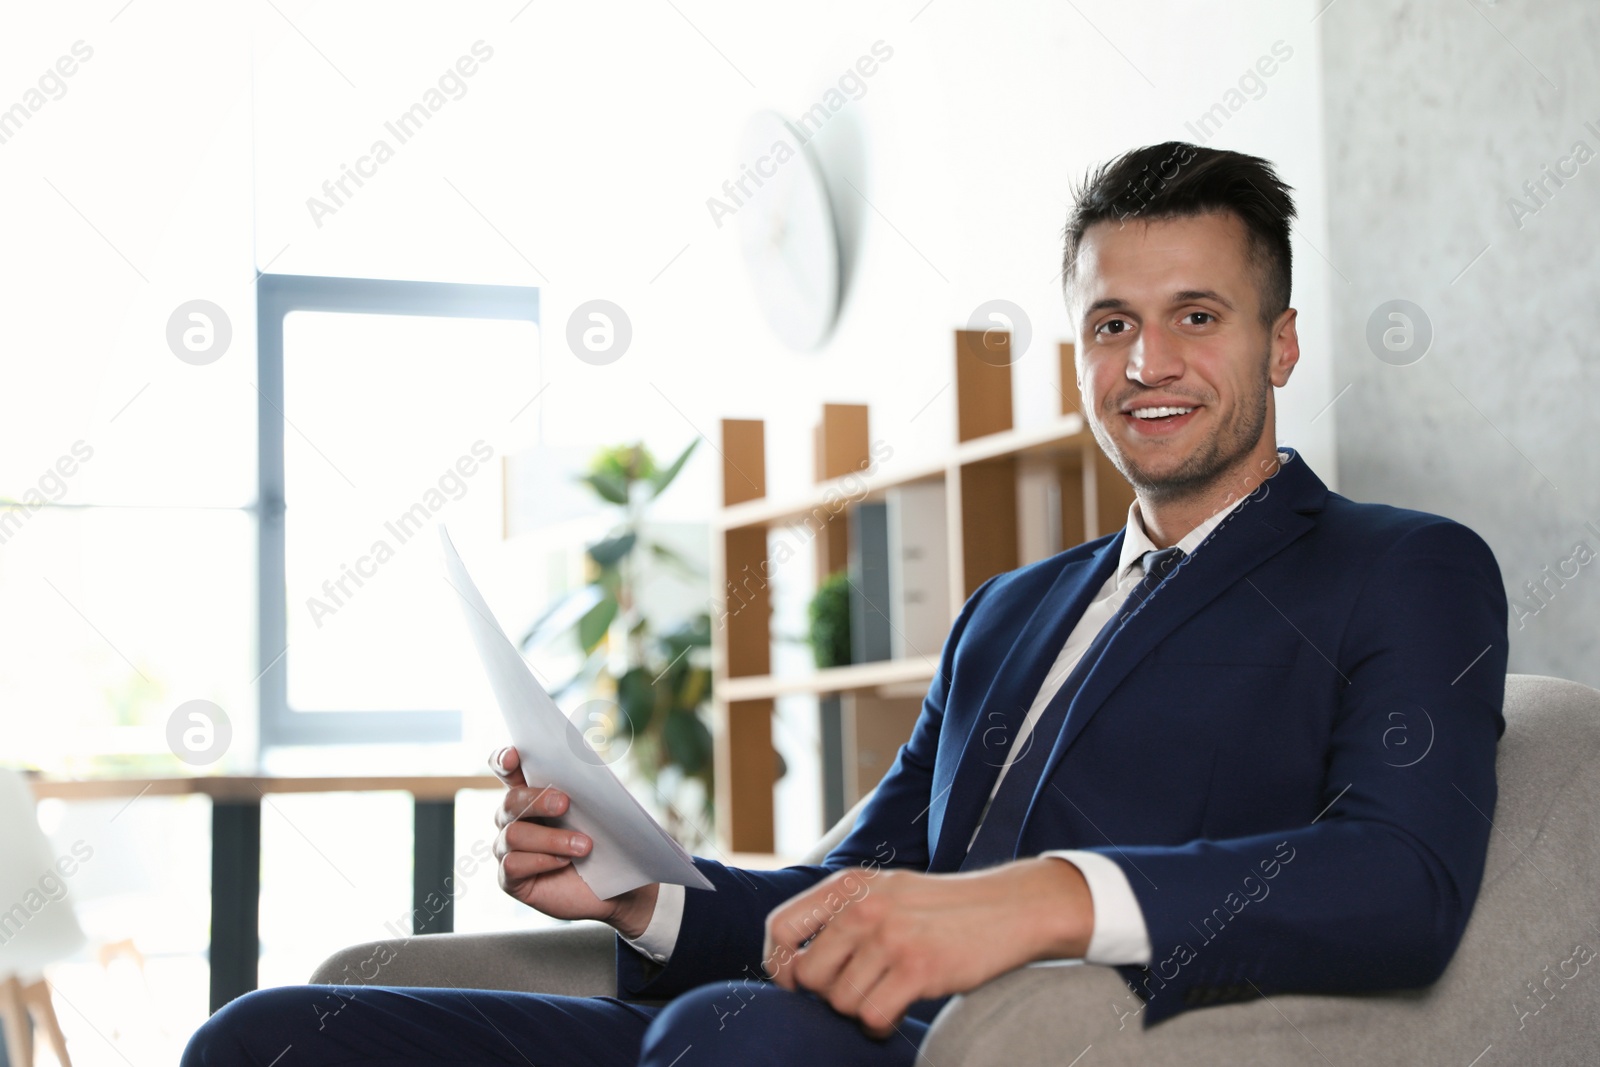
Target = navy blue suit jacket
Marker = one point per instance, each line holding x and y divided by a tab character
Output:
1289	750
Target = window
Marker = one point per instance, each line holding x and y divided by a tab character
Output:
385	408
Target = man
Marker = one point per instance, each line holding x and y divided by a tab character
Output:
1232	749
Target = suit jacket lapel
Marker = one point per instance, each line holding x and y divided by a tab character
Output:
1011	692
1262	526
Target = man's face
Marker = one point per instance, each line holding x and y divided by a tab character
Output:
1168	319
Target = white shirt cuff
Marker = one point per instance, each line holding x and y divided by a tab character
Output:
1119	934
661	935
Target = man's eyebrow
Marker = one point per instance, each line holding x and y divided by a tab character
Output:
1107	303
1182	296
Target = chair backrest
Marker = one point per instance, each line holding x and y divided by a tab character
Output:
37	923
837	832
1527	973
1526	977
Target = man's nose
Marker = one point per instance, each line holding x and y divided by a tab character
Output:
1154	360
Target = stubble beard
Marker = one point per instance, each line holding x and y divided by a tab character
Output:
1206	464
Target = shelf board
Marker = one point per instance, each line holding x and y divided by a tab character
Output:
1057	435
830	680
765	512
1060	434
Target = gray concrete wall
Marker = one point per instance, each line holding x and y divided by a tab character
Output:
1463	154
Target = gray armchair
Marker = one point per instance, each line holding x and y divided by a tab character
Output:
1524	987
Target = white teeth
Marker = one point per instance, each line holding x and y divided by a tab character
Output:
1156	413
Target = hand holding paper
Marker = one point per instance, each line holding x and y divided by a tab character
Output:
630	848
536	858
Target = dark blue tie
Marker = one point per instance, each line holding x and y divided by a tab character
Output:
1002	825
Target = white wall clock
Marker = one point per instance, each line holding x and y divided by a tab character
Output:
788	233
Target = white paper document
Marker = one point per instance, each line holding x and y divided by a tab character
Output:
630	848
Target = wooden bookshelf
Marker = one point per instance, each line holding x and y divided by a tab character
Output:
857	676
1012	496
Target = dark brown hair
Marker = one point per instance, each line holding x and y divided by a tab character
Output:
1179	180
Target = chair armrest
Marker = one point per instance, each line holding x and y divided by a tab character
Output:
576	960
1034	1015
1052	1013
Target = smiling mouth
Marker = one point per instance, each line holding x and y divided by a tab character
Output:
1157	414
1156	421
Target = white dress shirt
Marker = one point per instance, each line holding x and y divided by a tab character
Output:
1119	934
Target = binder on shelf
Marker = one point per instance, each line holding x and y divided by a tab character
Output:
830	710
919	569
869	583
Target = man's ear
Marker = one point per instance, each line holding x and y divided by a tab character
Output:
1285	351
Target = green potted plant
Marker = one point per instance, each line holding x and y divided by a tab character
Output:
829	616
649	678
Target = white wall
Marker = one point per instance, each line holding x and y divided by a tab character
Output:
1440	118
580	159
595	135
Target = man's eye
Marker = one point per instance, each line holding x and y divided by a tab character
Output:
1107	327
1204	314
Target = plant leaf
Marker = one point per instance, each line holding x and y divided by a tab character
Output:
829	614
560	616
695	685
637	698
595	622
608	485
691	633
674	557
687	741
659	480
609	552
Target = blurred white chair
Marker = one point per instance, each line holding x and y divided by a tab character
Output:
37	923
145	874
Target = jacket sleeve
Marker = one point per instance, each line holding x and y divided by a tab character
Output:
723	932
1375	892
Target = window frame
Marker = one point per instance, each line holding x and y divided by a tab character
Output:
276	296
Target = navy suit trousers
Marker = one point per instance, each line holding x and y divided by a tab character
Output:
381	1026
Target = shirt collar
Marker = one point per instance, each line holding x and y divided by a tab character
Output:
1135	542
